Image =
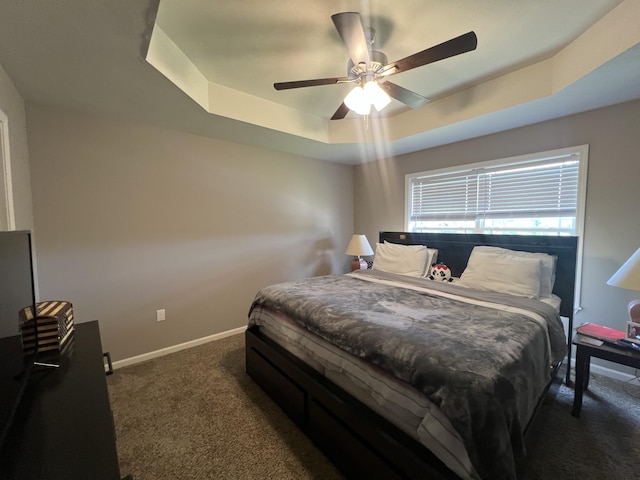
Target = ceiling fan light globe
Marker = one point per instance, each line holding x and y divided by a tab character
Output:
357	101
376	95
363	109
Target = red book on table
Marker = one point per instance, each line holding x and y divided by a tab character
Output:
601	332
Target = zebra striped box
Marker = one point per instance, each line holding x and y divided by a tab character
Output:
51	330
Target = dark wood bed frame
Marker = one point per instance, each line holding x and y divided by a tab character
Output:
358	441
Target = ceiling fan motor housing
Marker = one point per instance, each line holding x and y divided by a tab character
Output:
378	61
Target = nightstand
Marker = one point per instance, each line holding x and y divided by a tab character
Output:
584	352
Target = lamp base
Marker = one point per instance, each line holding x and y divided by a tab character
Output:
634	311
633	326
358	264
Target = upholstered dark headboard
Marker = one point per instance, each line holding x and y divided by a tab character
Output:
454	250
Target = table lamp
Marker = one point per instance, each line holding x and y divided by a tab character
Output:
628	276
357	247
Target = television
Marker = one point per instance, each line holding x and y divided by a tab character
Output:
17	291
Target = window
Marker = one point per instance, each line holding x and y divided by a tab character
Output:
539	194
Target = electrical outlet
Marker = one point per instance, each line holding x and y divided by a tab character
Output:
161	315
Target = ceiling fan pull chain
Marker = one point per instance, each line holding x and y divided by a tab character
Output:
365	120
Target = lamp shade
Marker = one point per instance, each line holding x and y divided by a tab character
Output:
359	246
628	275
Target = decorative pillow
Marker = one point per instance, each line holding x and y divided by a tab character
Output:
504	274
440	272
402	259
547	269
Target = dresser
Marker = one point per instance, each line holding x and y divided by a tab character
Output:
63	427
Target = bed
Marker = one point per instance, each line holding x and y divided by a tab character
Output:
399	376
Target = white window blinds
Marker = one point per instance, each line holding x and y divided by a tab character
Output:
547	189
531	189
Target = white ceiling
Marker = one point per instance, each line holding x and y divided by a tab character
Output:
208	66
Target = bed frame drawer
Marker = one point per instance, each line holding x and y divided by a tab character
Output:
284	390
345	447
361	443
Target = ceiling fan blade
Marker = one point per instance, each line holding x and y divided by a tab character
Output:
403	95
309	83
351	30
341	112
450	48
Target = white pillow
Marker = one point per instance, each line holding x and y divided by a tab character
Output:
496	273
402	259
547	269
432	257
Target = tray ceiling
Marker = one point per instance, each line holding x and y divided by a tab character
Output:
208	67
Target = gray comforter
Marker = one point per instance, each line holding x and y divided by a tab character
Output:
484	368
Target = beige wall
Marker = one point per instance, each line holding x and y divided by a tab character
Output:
12	105
612	226
131	219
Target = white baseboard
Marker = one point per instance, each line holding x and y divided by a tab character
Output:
176	348
609	372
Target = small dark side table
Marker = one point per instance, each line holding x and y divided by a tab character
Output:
584	352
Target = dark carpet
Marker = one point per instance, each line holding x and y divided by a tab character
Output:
195	414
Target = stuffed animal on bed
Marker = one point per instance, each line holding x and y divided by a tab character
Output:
439	271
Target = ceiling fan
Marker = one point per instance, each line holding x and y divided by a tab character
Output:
368	69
